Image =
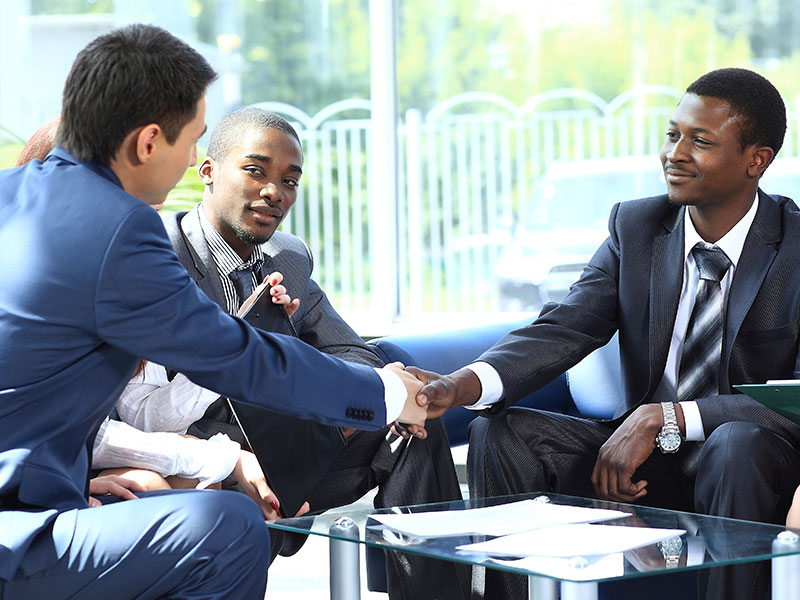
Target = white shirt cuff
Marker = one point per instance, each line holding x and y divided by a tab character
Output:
394	394
694	422
491	386
209	461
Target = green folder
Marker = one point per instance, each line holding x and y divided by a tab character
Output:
783	398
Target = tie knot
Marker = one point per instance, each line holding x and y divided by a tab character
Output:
712	263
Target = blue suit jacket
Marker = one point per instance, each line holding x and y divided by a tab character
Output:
88	284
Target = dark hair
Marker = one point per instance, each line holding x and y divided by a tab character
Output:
232	126
753	98
125	79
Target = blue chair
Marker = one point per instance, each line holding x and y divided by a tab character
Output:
590	389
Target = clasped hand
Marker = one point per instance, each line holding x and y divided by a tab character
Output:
624	452
430	395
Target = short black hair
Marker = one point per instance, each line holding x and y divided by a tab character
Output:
752	97
125	79
232	126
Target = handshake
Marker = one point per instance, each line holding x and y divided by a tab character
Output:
430	395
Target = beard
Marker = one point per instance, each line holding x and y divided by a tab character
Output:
250	238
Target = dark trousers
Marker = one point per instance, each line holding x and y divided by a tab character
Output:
405	472
744	472
202	544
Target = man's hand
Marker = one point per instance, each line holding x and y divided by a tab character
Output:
413	416
113	485
442	392
627	448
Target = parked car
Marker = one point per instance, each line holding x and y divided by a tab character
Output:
565	222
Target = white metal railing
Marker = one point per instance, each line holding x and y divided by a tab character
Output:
468	170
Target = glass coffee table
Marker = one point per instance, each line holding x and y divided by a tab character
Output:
706	542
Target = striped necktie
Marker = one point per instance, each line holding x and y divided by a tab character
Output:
242	278
698	376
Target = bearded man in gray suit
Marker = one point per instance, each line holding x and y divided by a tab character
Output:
251	175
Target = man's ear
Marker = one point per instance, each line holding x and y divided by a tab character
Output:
760	159
206	171
146	140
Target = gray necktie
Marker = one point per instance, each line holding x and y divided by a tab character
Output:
242	278
702	348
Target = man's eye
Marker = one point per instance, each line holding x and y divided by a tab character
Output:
291	182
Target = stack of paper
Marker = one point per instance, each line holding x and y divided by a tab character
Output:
572	540
493	520
550	535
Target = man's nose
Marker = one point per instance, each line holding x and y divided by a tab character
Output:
270	192
677	151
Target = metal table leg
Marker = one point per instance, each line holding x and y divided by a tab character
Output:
345	575
571	590
786	569
542	588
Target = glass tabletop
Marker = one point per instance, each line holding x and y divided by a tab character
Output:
705	541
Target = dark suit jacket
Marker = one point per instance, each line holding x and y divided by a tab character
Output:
88	284
316	321
633	284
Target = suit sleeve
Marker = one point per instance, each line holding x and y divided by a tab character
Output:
323	328
146	305
717	410
528	358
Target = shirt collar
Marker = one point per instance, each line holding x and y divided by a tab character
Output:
224	256
732	243
105	172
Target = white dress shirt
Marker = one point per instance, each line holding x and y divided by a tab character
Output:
731	244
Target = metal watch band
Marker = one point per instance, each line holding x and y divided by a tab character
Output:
670	418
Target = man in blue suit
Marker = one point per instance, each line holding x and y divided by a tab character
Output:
88	284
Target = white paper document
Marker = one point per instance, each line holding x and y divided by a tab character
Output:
572	540
493	520
572	569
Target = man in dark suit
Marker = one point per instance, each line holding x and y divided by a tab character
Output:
88	284
686	336
252	171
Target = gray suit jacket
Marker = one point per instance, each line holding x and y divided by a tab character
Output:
316	321
633	284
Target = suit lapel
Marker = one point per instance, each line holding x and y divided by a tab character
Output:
666	281
205	273
757	255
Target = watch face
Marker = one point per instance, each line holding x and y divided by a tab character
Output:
669	441
671	546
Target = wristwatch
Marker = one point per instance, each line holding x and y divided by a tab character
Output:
669	438
671	551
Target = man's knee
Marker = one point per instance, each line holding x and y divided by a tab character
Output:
745	471
728	444
221	520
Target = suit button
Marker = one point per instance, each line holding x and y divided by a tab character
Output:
350	413
370	415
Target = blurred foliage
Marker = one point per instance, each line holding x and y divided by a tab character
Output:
9	154
189	190
71	7
310	53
